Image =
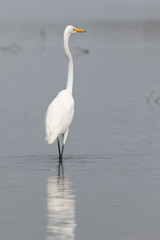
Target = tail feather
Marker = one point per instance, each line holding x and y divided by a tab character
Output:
52	137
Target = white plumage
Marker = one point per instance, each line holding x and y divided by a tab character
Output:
60	112
59	116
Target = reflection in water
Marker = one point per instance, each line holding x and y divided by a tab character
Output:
61	207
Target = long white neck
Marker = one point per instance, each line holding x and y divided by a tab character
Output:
69	86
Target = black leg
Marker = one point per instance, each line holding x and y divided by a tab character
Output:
59	150
62	151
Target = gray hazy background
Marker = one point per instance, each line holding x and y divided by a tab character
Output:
62	11
108	186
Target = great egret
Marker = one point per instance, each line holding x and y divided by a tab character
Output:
60	112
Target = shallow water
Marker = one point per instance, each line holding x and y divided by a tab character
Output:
108	184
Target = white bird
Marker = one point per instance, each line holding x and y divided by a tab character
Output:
60	112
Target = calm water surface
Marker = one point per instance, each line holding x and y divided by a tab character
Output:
108	185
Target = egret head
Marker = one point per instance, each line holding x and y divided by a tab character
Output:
71	30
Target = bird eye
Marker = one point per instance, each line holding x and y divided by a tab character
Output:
74	29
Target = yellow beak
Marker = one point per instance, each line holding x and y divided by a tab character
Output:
80	30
